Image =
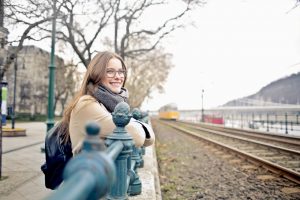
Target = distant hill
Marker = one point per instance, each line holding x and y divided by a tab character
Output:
283	91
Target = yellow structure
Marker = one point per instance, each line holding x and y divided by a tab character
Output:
169	112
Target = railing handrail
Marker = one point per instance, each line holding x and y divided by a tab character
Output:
92	173
83	179
114	150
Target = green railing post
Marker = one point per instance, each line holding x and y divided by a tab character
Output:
138	115
121	118
135	186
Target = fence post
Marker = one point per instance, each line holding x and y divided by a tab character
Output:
135	186
286	123
145	117
121	118
267	122
242	121
138	115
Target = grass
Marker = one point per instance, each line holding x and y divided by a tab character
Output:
3	178
8	121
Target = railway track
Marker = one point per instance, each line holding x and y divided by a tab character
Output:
285	141
278	154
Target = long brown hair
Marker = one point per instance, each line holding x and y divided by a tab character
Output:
95	73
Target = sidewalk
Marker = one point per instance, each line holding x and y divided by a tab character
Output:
22	167
26	181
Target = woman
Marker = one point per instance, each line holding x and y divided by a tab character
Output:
102	89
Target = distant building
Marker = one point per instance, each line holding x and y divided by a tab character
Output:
32	80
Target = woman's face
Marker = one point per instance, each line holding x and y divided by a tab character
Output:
115	75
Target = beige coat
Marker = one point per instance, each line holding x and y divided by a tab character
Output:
88	109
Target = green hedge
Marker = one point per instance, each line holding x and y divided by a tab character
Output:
28	117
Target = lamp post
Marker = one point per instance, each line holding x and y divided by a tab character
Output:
14	98
202	109
50	110
50	119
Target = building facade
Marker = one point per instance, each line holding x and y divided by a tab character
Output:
32	80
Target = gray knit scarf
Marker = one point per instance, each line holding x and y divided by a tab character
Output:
110	99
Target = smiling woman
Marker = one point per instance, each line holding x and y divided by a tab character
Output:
102	89
115	75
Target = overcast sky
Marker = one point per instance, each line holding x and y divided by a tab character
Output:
236	48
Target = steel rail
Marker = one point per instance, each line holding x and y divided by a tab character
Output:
288	139
295	141
275	168
249	140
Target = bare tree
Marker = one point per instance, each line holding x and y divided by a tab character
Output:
67	81
32	19
139	45
147	73
83	23
82	26
127	25
136	42
26	17
297	3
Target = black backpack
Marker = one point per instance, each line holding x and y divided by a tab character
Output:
57	155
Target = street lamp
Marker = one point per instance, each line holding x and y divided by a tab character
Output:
50	119
14	98
202	110
50	111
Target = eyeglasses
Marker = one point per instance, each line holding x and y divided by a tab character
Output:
111	73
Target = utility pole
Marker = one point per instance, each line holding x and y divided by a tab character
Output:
202	109
3	36
13	116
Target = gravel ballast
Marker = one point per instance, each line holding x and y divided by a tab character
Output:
192	169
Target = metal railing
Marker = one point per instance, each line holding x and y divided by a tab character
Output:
104	170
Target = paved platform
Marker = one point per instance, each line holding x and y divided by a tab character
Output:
22	158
